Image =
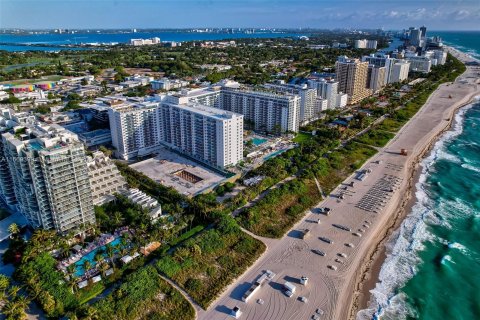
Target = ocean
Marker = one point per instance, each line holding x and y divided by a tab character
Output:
51	42
432	269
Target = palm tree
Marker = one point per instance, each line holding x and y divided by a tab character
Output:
35	289
98	258
72	283
14	229
117	218
71	270
124	241
110	251
65	248
4	282
91	313
103	267
87	266
10	310
22	302
13	291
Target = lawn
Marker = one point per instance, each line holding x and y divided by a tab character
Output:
302	137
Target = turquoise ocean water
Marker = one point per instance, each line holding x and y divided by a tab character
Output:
432	270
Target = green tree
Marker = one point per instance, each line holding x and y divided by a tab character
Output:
14	229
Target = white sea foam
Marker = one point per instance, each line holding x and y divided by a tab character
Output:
470	167
406	242
446	259
458	246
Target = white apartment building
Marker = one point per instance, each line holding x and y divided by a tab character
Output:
135	129
366	44
266	112
420	64
207	134
168	84
307	96
47	166
438	57
381	60
321	105
400	71
145	201
209	96
341	100
441	56
328	89
376	78
105	179
143	42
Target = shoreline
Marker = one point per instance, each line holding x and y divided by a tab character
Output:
336	285
368	276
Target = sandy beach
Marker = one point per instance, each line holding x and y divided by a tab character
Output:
370	210
375	258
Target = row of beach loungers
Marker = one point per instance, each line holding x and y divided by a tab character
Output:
379	194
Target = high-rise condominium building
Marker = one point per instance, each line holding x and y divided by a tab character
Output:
381	60
134	128
328	89
415	37
265	112
307	96
376	78
210	135
351	75
400	71
423	32
366	44
48	170
420	64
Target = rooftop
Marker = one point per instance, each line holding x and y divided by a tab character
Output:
206	111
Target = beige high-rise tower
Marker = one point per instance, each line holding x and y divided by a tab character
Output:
351	75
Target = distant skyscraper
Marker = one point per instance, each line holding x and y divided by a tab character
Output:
415	37
365	44
423	32
351	75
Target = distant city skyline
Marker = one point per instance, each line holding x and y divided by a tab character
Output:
325	14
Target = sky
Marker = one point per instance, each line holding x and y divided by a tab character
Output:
324	14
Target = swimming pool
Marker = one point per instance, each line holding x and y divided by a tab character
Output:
91	257
258	141
274	154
